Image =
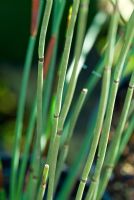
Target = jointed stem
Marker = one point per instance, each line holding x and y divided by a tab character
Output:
102	105
63	67
37	150
65	148
113	149
36	14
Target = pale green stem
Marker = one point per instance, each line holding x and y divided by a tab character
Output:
84	5
102	105
113	93
62	73
42	188
37	151
63	68
73	120
114	146
25	156
125	138
111	38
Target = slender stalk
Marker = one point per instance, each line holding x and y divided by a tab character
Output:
84	5
37	151
22	98
102	105
72	85
62	73
73	120
90	38
105	132
57	17
125	138
75	169
63	67
43	183
112	38
25	157
31	125
114	147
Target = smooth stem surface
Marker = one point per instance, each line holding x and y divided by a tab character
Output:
113	149
73	120
37	151
62	73
110	53
25	156
53	161
84	5
97	130
31	125
22	98
57	17
78	162
20	114
123	55
43	183
90	38
63	68
125	138
102	106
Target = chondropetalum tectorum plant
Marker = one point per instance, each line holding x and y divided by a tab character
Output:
54	112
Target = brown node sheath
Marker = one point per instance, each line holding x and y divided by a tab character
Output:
34	17
48	55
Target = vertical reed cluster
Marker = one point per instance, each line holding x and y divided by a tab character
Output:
54	114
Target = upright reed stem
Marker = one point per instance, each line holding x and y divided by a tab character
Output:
37	151
114	147
73	120
22	98
112	38
102	106
63	67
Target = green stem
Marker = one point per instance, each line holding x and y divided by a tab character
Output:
73	120
84	5
90	38
20	114
25	157
21	104
125	138
102	105
63	68
57	16
114	146
37	150
78	162
123	55
43	183
111	38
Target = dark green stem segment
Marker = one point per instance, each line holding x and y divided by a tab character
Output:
114	146
25	157
20	114
22	98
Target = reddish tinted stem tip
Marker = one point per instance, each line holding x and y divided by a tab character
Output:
48	55
34	20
